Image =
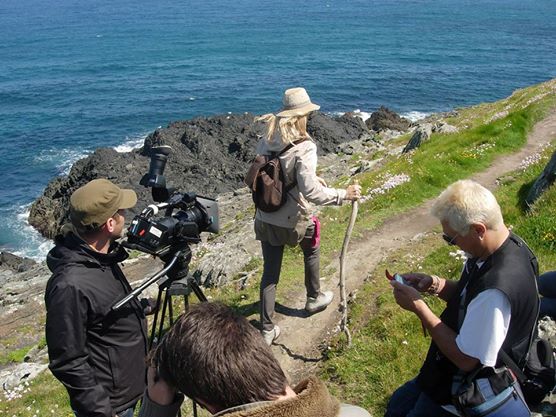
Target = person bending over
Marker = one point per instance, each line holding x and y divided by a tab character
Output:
493	306
217	358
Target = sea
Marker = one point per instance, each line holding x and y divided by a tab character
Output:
78	75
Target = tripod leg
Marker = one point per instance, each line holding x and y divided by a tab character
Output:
197	290
170	312
155	320
162	317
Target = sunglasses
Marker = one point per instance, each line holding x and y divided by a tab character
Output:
449	239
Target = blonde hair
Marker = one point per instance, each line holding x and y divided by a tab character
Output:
285	129
465	203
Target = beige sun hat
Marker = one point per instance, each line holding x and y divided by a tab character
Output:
296	102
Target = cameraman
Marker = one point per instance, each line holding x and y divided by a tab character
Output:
217	358
98	354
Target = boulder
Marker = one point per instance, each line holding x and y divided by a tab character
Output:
421	134
386	119
445	128
544	181
15	263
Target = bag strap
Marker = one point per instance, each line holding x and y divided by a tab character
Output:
509	362
288	188
287	148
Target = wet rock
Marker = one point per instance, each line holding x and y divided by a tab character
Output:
545	180
386	119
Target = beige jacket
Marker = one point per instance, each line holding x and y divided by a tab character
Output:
299	162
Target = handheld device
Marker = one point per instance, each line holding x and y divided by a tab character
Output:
396	277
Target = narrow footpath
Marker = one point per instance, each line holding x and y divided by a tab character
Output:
297	348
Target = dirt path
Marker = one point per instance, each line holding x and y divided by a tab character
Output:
298	346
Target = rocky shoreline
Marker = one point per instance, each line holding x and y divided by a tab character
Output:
210	156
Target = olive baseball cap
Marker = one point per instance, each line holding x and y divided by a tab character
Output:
97	201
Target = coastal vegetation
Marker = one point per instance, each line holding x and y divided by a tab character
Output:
388	344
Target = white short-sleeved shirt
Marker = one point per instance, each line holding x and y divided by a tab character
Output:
485	326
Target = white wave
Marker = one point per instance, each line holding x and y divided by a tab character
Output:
415	115
62	158
131	143
30	242
357	112
411	115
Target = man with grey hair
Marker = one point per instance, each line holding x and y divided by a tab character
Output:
492	307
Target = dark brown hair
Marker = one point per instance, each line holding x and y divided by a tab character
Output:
215	355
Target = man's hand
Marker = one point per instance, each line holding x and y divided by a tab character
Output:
421	282
149	306
159	390
406	296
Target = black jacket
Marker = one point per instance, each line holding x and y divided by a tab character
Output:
98	355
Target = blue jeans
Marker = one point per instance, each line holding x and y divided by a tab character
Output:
547	288
410	401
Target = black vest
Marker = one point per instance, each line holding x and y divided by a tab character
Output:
512	269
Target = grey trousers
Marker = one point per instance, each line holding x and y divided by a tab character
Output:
272	256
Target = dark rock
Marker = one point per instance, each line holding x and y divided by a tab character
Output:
422	133
49	212
15	263
386	119
329	132
544	181
210	156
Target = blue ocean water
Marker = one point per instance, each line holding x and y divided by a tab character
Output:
78	75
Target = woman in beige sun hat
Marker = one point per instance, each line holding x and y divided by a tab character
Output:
294	222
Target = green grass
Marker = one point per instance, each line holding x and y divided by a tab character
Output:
388	346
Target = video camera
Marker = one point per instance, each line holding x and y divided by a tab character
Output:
163	236
169	236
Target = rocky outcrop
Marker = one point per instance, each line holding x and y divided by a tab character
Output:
210	156
421	134
544	181
386	119
15	263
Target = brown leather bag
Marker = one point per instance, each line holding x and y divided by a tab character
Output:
265	178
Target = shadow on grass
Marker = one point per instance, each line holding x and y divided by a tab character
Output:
522	196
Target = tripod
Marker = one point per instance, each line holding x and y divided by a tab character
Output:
173	280
178	284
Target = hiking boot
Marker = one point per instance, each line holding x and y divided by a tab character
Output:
318	303
271	335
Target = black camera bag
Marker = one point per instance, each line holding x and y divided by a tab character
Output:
538	376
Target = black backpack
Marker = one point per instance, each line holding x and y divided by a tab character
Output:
265	178
538	376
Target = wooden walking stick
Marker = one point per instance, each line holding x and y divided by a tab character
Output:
343	298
